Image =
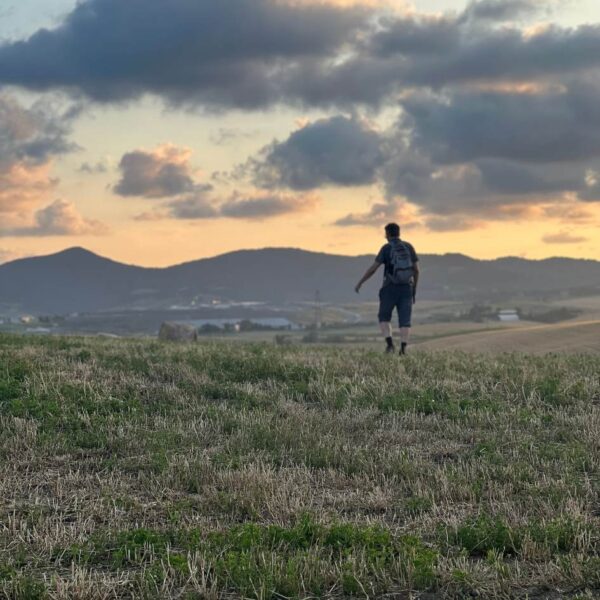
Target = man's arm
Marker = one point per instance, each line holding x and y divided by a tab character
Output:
368	274
415	280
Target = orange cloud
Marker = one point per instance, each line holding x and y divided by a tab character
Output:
22	186
563	237
57	219
159	173
264	205
571	212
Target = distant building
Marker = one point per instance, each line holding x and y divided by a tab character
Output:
509	315
27	319
38	330
234	323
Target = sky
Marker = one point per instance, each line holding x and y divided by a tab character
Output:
155	133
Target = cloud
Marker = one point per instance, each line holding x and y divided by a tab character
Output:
473	52
32	135
60	218
337	151
192	207
570	212
150	216
165	174
377	215
93	169
500	10
30	138
161	173
495	117
491	154
261	207
251	54
563	237
228	135
22	186
446	224
211	52
551	126
251	207
591	189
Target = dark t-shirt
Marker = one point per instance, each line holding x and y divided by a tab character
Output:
384	258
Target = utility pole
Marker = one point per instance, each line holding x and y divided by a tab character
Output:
318	311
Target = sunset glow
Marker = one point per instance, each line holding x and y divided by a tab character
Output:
476	125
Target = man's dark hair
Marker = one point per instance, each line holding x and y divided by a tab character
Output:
393	230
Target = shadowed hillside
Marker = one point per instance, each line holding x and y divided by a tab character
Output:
78	280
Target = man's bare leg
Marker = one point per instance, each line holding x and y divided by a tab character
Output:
404	338
386	331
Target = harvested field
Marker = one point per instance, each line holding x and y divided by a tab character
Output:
578	336
137	469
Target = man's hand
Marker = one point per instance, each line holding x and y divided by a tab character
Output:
357	288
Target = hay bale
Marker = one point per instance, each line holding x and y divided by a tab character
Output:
177	332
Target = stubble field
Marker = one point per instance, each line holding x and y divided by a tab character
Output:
135	469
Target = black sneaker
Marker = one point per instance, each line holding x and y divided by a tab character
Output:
403	349
390	350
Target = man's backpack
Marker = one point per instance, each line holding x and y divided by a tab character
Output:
402	266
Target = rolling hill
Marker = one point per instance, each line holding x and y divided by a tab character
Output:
76	280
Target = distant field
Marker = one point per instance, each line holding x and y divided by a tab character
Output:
589	305
570	337
135	469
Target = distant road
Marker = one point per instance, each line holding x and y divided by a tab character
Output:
572	336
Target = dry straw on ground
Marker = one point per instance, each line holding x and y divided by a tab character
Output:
136	469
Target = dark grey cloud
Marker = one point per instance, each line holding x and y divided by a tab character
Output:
253	53
193	207
265	206
337	151
500	10
415	36
250	207
215	52
160	173
490	188
473	53
239	206
513	178
32	135
549	126
485	154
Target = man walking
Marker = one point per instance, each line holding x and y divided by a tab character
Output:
399	290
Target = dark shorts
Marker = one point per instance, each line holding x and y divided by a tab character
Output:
399	297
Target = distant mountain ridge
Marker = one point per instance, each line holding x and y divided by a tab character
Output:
77	280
